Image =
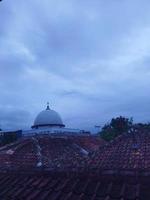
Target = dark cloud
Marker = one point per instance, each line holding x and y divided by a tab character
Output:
90	59
16	119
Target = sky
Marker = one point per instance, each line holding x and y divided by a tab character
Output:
89	58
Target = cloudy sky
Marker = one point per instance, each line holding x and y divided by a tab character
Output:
89	58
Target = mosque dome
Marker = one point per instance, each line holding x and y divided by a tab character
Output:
48	118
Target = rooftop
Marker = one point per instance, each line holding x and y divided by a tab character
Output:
63	186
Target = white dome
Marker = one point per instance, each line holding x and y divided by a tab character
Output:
48	117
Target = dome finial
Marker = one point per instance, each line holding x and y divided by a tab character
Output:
48	108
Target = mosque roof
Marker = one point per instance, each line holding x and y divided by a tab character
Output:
48	117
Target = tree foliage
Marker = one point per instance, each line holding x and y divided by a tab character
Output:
116	127
9	137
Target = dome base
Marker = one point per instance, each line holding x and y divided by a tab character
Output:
47	125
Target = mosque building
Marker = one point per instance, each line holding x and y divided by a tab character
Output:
49	122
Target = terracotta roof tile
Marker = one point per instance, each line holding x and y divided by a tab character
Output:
129	151
78	187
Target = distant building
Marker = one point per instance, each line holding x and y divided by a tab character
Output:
49	122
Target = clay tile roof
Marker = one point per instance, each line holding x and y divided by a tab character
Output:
78	187
129	151
49	152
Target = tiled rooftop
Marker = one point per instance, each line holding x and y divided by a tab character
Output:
129	151
90	143
119	170
50	152
57	186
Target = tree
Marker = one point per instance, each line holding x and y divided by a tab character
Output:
116	127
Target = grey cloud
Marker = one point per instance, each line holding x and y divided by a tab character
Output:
14	119
90	58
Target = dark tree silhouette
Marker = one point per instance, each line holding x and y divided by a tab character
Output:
116	127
